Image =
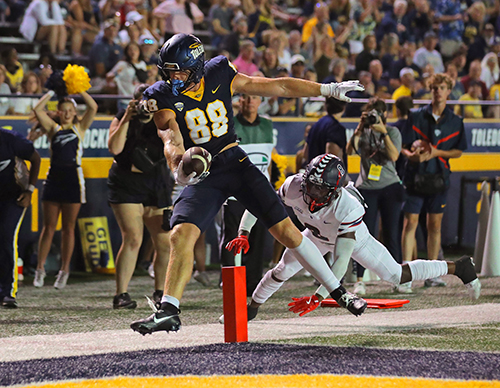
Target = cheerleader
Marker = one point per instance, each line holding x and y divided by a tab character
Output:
64	187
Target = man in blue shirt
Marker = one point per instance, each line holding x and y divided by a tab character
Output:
105	53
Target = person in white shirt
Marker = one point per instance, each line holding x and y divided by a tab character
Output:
43	21
333	217
427	54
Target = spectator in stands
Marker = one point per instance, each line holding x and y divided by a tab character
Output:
389	51
490	70
64	188
460	60
149	48
311	107
368	54
470	111
407	78
130	32
430	193
422	86
139	190
4	89
128	73
24	106
475	75
354	110
324	54
104	54
42	22
480	45
320	20
221	16
260	19
366	15
428	53
298	66
244	61
340	11
83	24
278	40
405	60
458	89
451	28
403	107
420	19
111	8
396	22
177	16
44	71
295	46
380	80
270	63
494	111
474	19
231	42
13	69
338	69
379	145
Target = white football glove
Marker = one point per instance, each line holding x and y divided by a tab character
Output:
338	90
188	180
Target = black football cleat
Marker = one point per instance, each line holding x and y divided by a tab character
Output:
252	312
159	321
353	303
9	302
465	270
123	301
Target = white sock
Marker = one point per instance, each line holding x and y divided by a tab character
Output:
312	260
266	288
171	300
426	269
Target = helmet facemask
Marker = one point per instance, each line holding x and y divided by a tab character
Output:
317	194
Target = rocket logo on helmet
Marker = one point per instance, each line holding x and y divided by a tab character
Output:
322	181
182	52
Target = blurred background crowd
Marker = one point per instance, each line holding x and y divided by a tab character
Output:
392	47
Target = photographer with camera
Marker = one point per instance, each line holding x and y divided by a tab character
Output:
140	188
379	146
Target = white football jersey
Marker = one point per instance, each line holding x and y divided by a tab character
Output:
342	215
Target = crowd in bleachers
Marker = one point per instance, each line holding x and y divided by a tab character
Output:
392	47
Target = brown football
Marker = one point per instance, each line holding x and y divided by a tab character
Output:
424	146
196	159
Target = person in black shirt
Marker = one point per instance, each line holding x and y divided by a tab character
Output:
14	199
140	189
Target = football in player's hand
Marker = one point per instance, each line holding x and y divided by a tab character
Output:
196	159
424	146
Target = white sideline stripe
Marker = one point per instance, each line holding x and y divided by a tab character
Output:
376	321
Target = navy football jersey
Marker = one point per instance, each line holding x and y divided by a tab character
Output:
205	117
12	144
66	147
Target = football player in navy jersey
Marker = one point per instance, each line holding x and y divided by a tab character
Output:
192	107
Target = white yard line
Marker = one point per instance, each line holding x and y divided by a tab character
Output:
112	341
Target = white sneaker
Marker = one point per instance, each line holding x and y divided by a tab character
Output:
61	280
39	277
474	288
435	282
404	288
202	278
359	288
151	271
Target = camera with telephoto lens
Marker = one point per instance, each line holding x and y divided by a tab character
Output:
372	117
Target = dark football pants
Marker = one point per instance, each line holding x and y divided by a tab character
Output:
11	217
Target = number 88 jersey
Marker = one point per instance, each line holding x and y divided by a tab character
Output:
205	117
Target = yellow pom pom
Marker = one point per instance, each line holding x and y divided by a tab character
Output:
76	78
282	163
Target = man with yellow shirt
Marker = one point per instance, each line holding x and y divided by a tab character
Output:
470	111
407	77
321	19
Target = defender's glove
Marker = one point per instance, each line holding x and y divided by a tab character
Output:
238	244
187	180
338	90
304	305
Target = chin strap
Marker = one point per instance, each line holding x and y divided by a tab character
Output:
176	84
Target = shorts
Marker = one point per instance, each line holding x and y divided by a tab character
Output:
64	185
231	174
434	204
152	189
